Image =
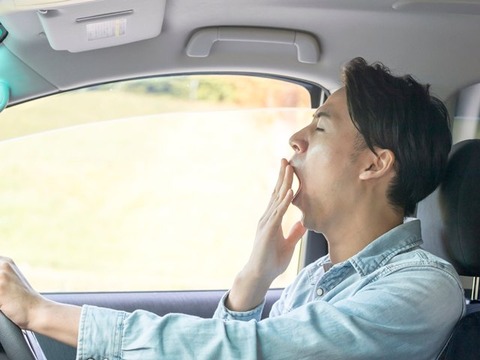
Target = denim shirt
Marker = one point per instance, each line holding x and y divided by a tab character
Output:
392	300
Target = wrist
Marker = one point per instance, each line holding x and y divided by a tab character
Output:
248	291
56	320
39	315
258	277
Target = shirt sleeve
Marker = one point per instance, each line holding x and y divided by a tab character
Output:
361	326
225	313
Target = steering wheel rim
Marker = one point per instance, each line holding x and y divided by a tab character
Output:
13	341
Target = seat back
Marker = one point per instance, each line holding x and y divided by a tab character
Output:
463	343
451	230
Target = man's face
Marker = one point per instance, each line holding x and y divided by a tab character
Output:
327	165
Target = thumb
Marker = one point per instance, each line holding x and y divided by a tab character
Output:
296	233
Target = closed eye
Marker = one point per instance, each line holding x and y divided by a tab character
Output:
320	129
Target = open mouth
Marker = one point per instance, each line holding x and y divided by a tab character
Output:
296	185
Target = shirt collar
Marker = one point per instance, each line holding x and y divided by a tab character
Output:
399	239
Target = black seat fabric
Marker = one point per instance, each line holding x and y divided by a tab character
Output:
451	215
463	344
451	229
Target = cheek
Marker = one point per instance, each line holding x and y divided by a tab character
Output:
320	155
327	170
320	163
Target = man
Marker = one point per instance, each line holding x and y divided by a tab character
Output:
372	151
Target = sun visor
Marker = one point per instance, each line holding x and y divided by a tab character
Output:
100	24
4	94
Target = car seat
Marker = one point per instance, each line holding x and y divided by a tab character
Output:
451	230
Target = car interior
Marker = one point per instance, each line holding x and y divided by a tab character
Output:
52	47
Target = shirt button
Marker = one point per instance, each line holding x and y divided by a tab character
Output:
320	292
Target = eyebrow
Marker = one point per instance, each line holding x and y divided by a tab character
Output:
323	113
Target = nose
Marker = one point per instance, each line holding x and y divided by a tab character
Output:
298	141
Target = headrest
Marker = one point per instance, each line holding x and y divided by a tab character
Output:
450	216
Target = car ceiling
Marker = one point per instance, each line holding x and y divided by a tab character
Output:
436	41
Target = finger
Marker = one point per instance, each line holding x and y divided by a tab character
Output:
6	265
4	259
281	175
9	266
276	190
278	185
287	182
279	211
280	197
21	277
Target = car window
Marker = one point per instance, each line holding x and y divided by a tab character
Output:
152	184
466	124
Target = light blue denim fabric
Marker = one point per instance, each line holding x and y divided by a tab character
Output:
390	301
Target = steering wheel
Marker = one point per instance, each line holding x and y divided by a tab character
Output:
13	341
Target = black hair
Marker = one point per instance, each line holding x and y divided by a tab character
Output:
399	114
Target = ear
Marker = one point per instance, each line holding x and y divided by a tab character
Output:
378	165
